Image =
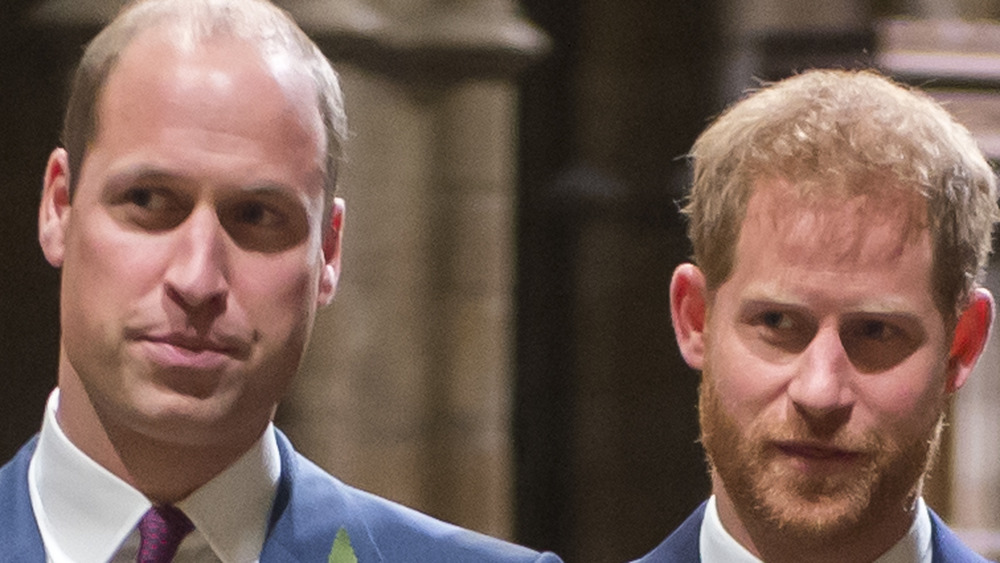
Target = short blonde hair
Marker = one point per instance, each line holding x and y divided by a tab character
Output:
829	130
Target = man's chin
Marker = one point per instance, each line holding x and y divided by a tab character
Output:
813	517
172	417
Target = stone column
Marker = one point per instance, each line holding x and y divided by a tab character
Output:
406	389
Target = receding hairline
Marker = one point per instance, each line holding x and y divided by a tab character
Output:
290	73
267	28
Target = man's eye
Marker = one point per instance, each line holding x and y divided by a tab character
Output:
781	330
877	331
777	320
151	209
875	345
264	226
256	214
144	197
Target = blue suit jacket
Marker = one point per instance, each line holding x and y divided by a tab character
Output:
682	545
309	508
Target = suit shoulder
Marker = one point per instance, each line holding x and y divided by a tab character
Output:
682	545
416	536
947	546
380	529
20	539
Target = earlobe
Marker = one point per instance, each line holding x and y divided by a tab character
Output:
333	237
688	311
54	211
971	333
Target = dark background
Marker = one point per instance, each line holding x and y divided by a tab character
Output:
31	93
607	461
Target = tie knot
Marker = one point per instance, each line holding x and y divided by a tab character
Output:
161	530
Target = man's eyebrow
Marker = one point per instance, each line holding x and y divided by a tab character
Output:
881	308
266	188
768	294
749	308
765	302
146	172
134	173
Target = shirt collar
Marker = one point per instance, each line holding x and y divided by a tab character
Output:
916	544
85	513
716	545
232	510
714	542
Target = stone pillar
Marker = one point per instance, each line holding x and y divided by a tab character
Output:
406	390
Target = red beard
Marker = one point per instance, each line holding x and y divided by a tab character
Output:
772	495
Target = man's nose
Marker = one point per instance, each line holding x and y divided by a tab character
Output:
822	382
198	275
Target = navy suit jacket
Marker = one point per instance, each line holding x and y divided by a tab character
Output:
682	545
309	508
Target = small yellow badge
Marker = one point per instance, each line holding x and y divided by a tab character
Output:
342	552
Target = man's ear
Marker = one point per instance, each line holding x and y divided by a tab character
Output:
688	311
971	333
333	236
54	211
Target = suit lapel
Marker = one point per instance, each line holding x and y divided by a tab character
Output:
682	546
948	548
309	508
20	539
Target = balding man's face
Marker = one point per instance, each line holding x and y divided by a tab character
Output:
193	253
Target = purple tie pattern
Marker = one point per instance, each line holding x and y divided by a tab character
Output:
161	530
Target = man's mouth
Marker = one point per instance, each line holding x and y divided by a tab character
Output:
816	453
175	350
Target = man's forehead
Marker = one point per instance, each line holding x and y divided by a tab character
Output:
181	39
808	207
833	225
164	55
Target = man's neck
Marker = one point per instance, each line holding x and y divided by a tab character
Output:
864	542
165	472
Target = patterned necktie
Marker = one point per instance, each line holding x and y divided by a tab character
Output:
162	528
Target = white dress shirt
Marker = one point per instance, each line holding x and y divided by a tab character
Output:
717	546
88	515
